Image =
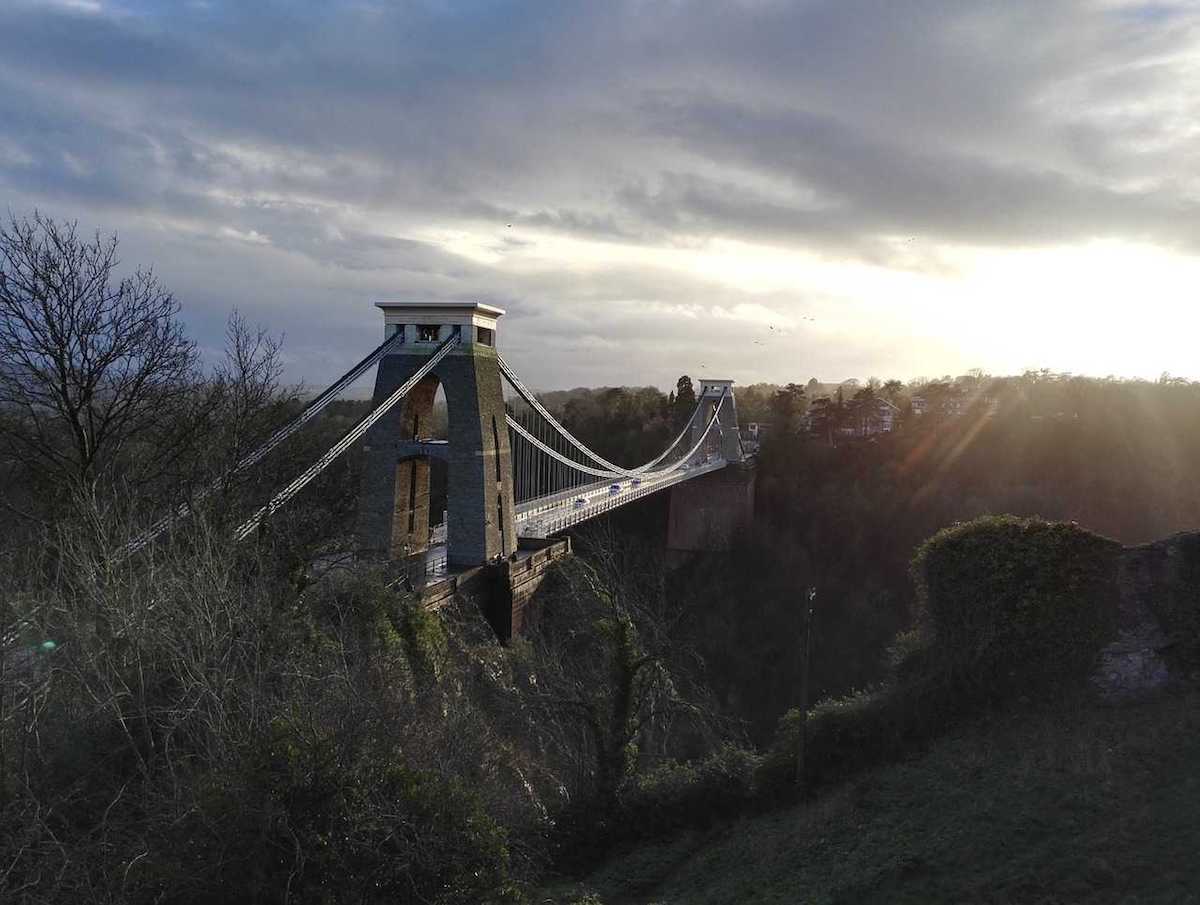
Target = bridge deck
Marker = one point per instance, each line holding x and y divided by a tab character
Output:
548	515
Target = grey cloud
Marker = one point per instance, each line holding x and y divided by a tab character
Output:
306	147
874	188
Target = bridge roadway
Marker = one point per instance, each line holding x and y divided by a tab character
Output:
548	515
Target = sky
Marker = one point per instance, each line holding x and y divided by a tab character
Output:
749	189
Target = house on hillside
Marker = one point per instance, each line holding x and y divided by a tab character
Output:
880	418
955	401
888	418
883	419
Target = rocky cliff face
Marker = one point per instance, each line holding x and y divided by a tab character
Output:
1159	610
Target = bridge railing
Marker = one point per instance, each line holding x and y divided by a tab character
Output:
436	564
542	523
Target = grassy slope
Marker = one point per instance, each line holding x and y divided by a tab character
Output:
1071	803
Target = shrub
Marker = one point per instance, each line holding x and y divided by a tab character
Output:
845	735
1010	601
672	797
693	794
310	826
424	637
910	656
387	833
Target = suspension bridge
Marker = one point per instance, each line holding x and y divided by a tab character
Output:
516	476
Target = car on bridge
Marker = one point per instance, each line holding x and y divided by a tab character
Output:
580	502
614	488
636	482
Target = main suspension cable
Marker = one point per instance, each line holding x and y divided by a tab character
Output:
310	411
532	401
247	527
579	467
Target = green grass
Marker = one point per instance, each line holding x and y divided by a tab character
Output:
1068	803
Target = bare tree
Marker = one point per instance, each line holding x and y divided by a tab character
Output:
88	360
248	379
242	402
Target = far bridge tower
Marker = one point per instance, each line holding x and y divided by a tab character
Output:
707	513
716	396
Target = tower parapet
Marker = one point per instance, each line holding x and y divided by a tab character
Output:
427	324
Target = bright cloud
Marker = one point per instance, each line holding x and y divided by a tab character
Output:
770	191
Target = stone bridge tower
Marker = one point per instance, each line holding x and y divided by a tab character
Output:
710	398
393	519
707	513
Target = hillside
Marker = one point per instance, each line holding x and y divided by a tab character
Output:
1063	803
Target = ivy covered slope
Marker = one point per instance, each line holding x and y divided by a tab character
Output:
1062	802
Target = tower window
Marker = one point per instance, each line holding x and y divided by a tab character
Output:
427	333
485	336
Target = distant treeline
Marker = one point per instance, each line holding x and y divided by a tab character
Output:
1113	454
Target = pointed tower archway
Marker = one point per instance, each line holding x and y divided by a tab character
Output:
393	520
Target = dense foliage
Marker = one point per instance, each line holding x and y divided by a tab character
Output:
1003	597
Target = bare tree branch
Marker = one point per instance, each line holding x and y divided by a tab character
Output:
87	360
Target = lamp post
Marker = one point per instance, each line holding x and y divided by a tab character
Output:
811	596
